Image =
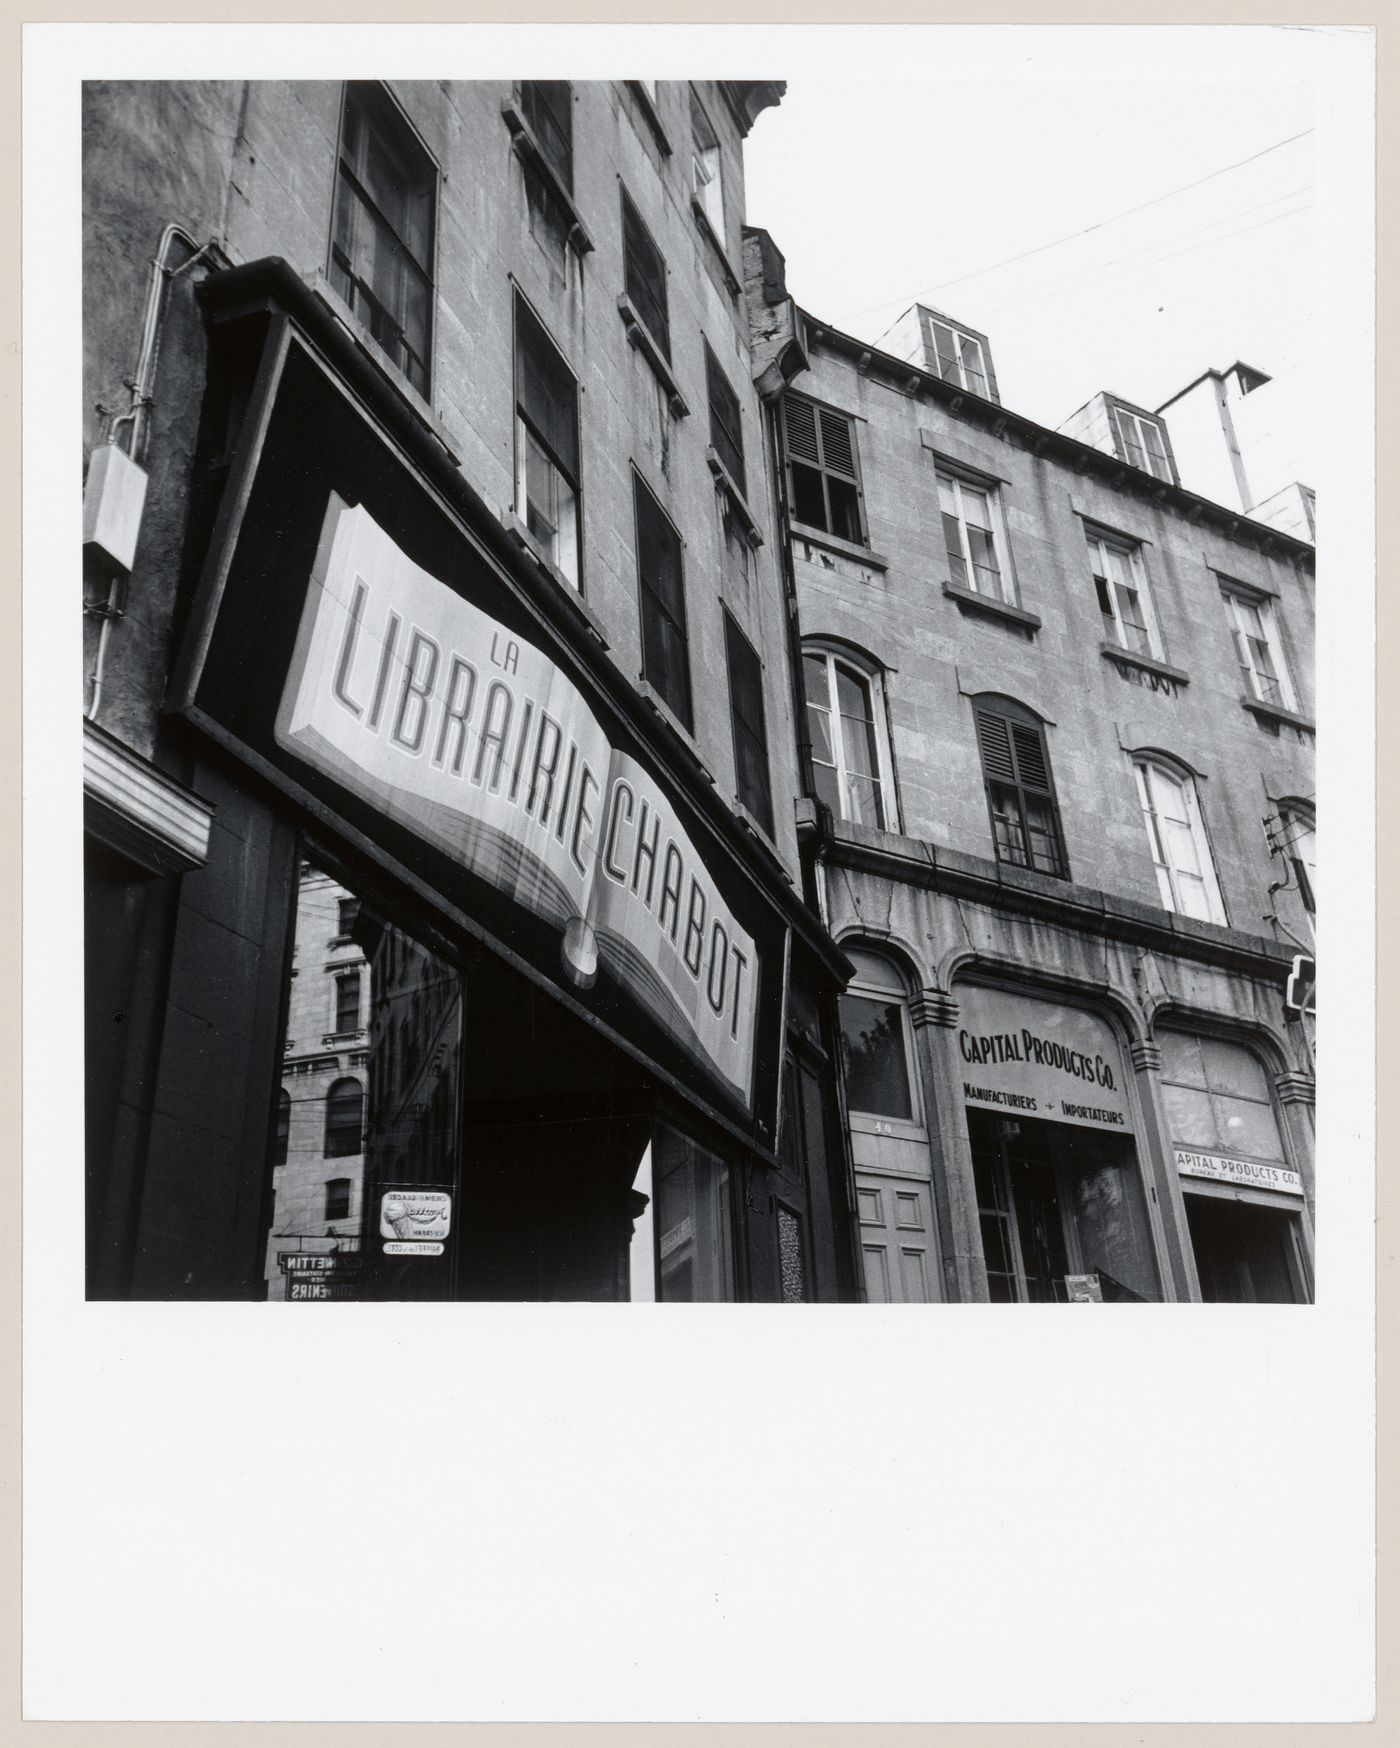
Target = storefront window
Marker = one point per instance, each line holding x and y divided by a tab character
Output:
694	1237
373	1102
1217	1097
1244	1202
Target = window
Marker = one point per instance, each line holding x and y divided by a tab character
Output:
347	909
347	1002
747	721
1217	1097
381	259
823	469
959	357
661	583
547	106
1185	873
1142	443
283	1128
705	163
693	1221
850	751
726	425
974	536
1257	649
876	1040
546	444
1020	793
1125	605
337	1198
345	1113
645	277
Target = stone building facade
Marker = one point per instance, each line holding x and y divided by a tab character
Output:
430	547
1060	741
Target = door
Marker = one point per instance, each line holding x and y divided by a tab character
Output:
897	1249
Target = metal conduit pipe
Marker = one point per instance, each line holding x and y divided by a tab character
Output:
139	387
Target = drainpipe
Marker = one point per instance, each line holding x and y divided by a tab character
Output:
135	419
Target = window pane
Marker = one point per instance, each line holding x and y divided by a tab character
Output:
952	539
380	1099
1232	1069
872	1054
846	521
545	390
665	653
1181	1058
1245	1127
808	498
1190	1118
645	277
694	1246
548	107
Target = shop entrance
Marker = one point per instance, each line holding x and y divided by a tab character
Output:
1245	1253
1055	1200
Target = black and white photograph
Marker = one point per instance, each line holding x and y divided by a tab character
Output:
705	689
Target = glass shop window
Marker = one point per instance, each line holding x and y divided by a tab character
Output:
379	1096
1218	1098
694	1220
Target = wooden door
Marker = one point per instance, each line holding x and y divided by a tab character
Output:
898	1254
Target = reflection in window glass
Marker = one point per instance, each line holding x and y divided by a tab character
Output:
378	1095
873	1056
694	1243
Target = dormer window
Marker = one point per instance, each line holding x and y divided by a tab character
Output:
960	357
1142	442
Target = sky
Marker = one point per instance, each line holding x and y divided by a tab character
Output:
922	187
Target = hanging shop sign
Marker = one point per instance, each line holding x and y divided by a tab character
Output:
1025	1057
474	739
361	643
1250	1173
414	1221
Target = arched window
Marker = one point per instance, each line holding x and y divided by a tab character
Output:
850	748
877	1044
1020	790
345	1116
1177	837
283	1128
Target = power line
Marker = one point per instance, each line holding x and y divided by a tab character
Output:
1143	266
1096	269
1098	225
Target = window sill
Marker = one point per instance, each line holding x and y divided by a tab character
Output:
730	487
1114	652
330	1039
676	731
648	109
834	543
640	336
1275	713
762	836
421	409
528	150
969	601
716	244
563	588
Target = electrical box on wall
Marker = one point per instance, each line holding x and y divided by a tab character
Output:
113	499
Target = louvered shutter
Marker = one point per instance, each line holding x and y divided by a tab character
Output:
726	425
800	423
1031	770
993	736
838	451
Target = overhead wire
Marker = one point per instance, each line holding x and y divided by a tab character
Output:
1098	225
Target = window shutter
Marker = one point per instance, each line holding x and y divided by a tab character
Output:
800	423
645	276
747	722
838	451
546	389
1030	757
548	106
726	425
995	741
